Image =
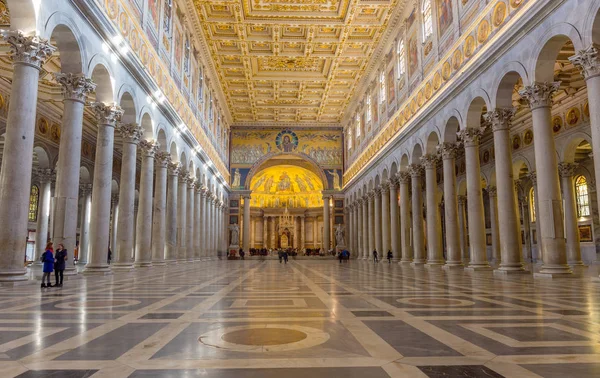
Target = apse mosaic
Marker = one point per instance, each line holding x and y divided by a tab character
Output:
286	186
323	147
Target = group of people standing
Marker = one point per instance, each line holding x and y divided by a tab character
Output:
53	262
390	256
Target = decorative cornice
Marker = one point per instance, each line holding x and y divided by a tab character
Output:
75	87
587	61
539	94
30	50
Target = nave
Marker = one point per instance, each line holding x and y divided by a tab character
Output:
305	319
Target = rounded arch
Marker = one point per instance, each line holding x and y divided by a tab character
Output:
127	103
183	159
377	182
433	141
474	111
104	83
452	127
147	125
404	162
505	88
161	138
417	152
114	187
66	37
191	168
548	50
41	157
306	160
127	90
85	176
23	15
569	150
393	170
520	166
174	153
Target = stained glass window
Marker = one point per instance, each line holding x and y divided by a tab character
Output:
427	23
582	196
369	108
358	125
401	59
532	205
34	197
382	87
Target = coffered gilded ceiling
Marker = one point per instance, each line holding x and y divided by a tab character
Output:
291	62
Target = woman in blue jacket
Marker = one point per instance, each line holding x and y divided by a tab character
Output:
48	260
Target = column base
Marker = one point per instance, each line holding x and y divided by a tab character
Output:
510	272
418	264
596	279
478	268
70	272
434	264
405	261
13	277
159	263
143	264
454	267
171	262
121	267
98	270
554	271
574	264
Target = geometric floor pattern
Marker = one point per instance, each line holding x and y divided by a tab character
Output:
306	319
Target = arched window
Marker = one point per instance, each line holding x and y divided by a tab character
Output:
34	198
582	196
349	139
401	58
358	126
427	23
369	108
532	215
382	87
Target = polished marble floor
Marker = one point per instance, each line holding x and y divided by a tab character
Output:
317	319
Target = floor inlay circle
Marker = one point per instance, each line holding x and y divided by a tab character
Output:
436	302
99	304
264	338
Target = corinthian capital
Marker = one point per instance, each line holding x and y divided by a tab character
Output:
447	150
500	118
415	170
107	114
75	87
162	159
429	161
587	61
470	136
183	175
539	94
149	147
131	132
173	168
45	175
29	50
567	169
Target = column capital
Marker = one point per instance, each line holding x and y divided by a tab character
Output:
75	87
492	191
130	132
377	191
359	202
114	199
173	167
371	196
183	175
191	182
429	161
447	150
403	177
162	159
199	187
415	170
386	186
203	191
45	175
533	177
539	94
567	169
85	189
470	136
500	118
107	114
461	199
587	61
30	50
149	147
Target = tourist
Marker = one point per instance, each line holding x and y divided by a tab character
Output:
280	254
48	260
341	256
59	266
390	255
242	254
285	256
375	259
109	256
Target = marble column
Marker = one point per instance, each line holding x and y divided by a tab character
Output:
365	227
507	227
211	228
385	218
171	249
326	224
435	256
182	215
453	252
189	221
416	172
246	230
75	89
45	177
377	221
405	220
539	247
359	229
27	55
394	220
131	134
550	218
371	224
315	231
159	241
143	241
107	115
302	233
114	217
265	232
567	171
476	219
253	233
462	234
492	196
84	229
197	221
205	222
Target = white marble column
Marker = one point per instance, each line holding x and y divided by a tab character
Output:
508	227
84	229
246	225
27	55
326	223
567	170
45	177
365	227
476	219
462	234
75	89
377	221
131	134
198	221
435	257
159	242
405	220
143	241
493	203
114	217
315	232
550	217
359	229
265	231
394	220
211	228
107	115
302	233
540	250
371	224
182	216
189	221
385	218
416	172
205	222
453	252
171	249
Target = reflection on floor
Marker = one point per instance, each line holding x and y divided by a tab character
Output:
317	319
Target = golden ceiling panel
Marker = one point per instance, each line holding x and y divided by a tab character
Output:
291	60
